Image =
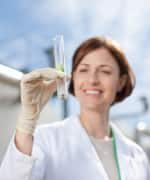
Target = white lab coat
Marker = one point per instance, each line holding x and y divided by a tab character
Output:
63	151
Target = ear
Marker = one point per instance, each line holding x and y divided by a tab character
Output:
122	82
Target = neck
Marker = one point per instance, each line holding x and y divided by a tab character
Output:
96	123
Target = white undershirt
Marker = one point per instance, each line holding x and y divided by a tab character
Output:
104	149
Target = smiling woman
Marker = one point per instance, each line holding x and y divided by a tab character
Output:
85	146
99	72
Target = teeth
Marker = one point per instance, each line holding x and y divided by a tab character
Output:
92	92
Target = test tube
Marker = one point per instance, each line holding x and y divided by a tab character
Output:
60	64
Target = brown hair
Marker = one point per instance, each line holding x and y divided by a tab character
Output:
118	54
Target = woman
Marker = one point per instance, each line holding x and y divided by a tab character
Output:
82	147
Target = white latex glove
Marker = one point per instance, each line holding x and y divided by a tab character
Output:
36	88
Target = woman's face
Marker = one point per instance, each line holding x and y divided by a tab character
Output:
96	79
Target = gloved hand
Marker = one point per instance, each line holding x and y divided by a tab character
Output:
36	88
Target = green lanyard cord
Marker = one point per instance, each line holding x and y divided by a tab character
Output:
115	155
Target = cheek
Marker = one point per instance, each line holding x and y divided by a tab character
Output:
76	85
78	88
112	88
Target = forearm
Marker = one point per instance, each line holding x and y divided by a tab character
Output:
24	142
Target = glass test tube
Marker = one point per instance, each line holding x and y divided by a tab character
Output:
60	64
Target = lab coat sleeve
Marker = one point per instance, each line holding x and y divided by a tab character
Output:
18	166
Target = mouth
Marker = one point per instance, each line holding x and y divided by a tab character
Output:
93	92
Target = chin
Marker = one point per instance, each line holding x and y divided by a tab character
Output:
91	106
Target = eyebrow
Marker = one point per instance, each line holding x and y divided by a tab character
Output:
102	65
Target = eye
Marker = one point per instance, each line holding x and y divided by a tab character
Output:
106	72
83	70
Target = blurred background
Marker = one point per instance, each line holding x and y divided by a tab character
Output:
26	32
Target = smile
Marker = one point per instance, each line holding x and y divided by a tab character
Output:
92	92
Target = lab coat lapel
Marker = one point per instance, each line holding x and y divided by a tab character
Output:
124	156
88	147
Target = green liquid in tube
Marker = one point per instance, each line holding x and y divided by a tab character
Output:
60	67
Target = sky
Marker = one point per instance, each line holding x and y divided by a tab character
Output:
27	28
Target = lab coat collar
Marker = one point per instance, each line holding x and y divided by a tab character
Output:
88	147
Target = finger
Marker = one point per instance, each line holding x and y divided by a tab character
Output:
51	87
33	76
50	73
43	74
67	77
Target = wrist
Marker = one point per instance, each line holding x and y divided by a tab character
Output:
23	142
27	122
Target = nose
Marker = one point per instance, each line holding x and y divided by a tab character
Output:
93	78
